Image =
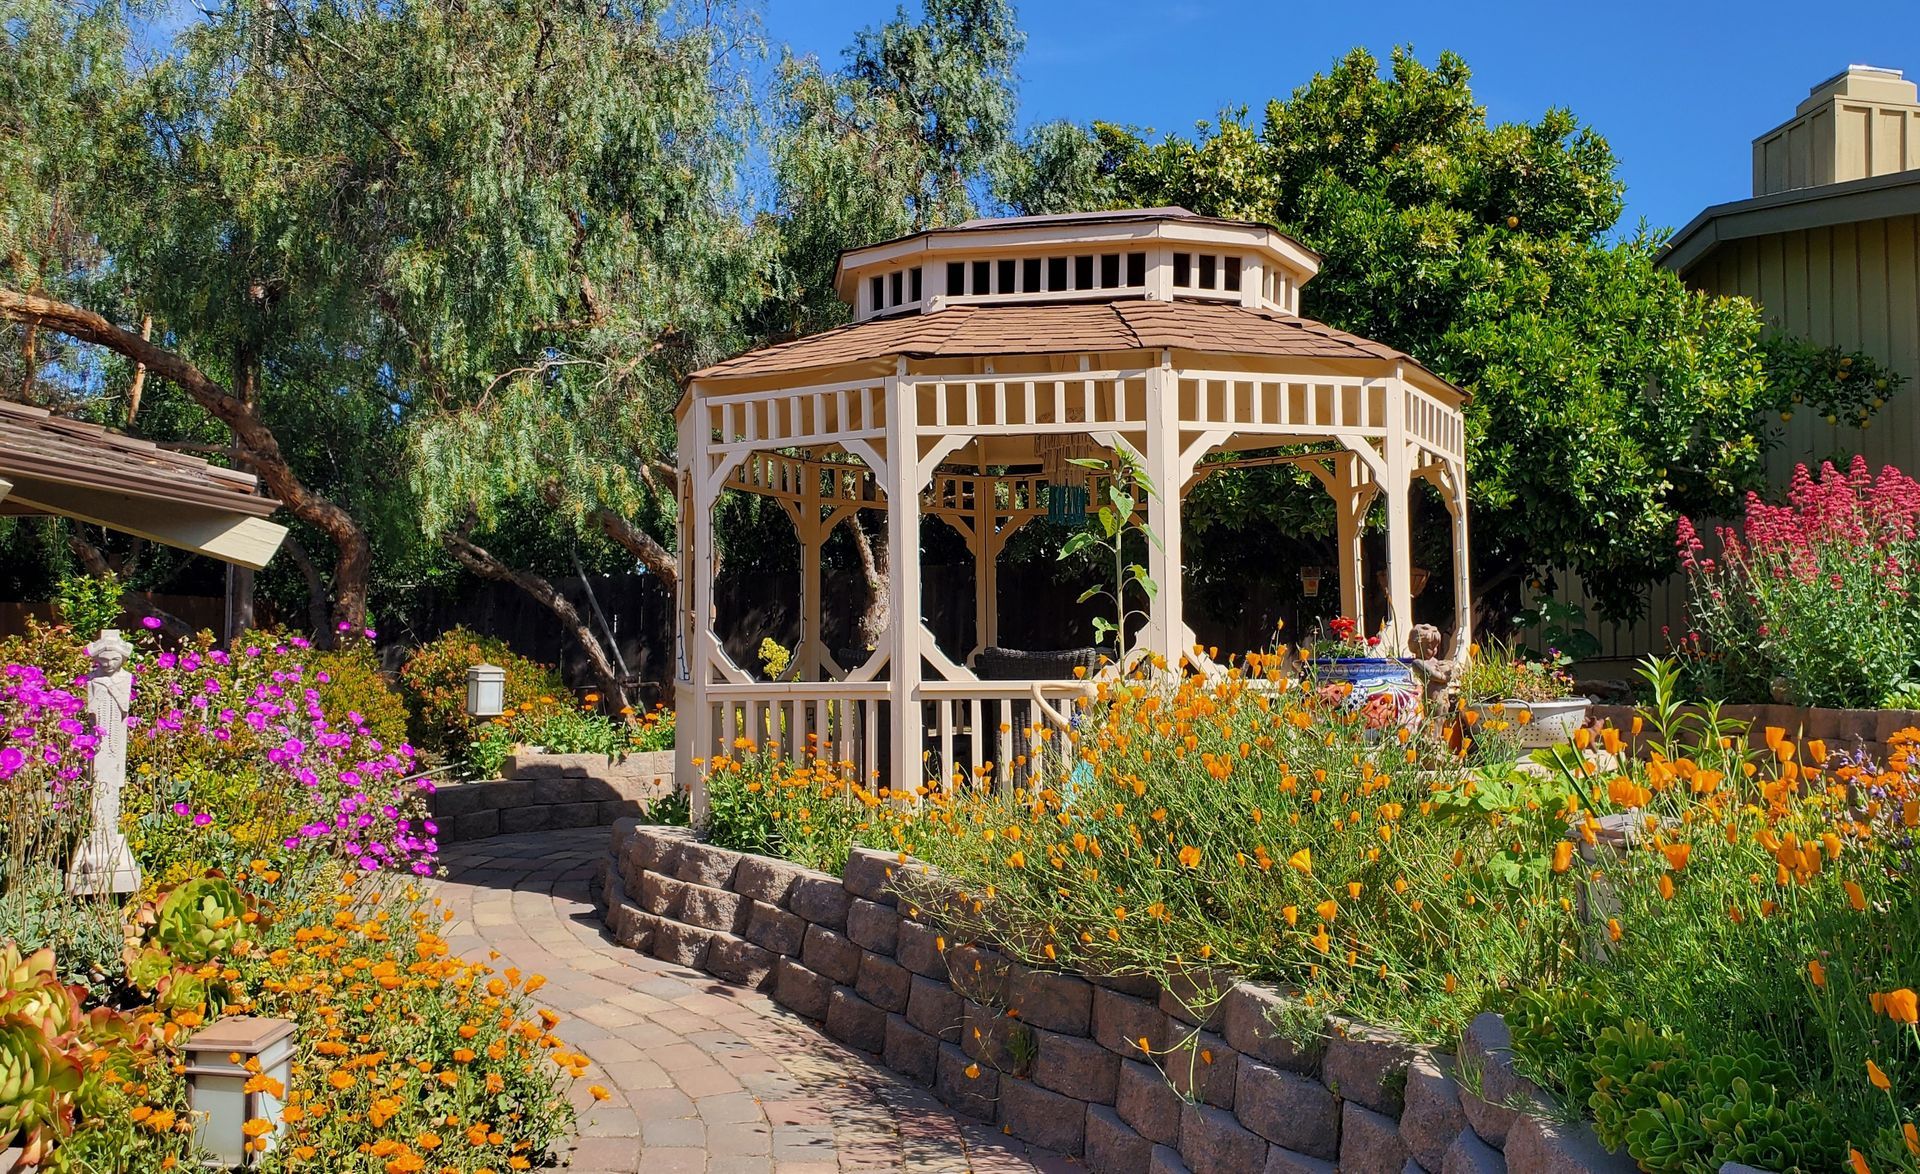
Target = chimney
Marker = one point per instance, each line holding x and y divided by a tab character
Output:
1859	123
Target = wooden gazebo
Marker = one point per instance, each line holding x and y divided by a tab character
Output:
980	361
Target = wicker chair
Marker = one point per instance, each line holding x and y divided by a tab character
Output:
1016	664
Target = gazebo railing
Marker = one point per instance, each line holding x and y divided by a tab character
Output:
833	721
987	734
999	734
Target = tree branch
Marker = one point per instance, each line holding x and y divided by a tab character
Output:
482	562
355	553
640	545
316	590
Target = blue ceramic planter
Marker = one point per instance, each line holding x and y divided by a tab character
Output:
1371	676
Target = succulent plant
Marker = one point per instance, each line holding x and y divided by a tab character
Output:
202	920
37	1083
30	988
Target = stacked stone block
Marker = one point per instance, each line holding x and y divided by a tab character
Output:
1131	1078
546	792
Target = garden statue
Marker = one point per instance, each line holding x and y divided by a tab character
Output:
104	862
1437	675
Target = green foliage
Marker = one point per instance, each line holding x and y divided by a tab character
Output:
349	680
1118	518
555	727
87	604
1671	1109
1562	628
434	682
1503	672
1608	398
890	144
1842	387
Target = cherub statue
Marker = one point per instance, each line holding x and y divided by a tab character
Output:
1436	674
104	862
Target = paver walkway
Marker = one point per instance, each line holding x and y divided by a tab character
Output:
706	1078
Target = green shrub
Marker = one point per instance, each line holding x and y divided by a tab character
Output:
434	683
87	604
352	681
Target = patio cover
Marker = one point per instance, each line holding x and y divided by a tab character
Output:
52	465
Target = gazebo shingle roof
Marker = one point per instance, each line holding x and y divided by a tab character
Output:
1058	329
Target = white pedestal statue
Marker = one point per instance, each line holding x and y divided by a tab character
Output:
104	862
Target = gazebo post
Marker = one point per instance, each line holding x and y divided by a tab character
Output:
1398	487
693	716
1462	580
1166	614
1350	509
902	488
986	562
811	539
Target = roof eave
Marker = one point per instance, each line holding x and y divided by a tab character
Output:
1877	197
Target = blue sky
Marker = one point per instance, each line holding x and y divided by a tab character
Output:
1679	89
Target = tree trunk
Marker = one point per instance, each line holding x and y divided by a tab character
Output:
483	563
316	590
135	604
354	562
641	545
873	622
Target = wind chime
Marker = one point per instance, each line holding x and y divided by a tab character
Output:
1066	482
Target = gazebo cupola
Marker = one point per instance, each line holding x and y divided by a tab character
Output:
980	359
1157	253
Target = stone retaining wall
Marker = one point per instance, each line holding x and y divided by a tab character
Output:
544	791
1057	1059
1843	730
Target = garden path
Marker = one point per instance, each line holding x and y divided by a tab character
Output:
705	1078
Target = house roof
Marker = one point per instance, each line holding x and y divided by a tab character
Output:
56	465
1874	198
1062	328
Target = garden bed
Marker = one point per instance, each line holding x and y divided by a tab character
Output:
1125	1072
541	792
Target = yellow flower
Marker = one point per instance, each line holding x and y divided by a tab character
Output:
1855	897
1816	972
1190	856
1301	861
599	1092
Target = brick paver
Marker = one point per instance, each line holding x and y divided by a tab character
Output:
705	1078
